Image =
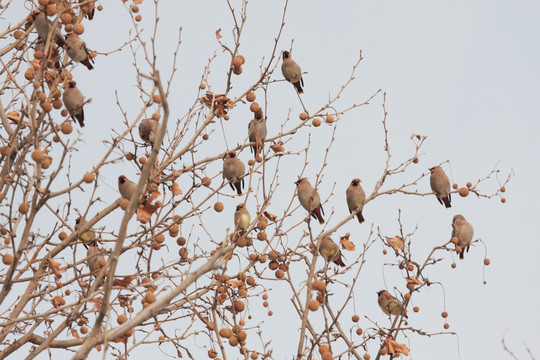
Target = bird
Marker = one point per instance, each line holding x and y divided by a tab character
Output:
77	50
464	231
89	236
126	187
73	101
257	133
242	219
292	72
94	258
44	25
233	170
389	304
309	199
355	199
147	130
440	185
330	251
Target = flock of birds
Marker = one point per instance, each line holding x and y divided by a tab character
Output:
234	168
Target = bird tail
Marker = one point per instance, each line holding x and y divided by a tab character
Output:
317	214
238	186
80	118
86	62
90	14
446	201
360	217
298	87
339	262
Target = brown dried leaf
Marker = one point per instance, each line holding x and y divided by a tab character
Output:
14	116
278	147
55	268
270	216
395	348
396	243
414	280
120	339
235	283
142	215
218	35
75	333
98	347
175	175
347	244
124	282
176	189
97	303
179	354
35	64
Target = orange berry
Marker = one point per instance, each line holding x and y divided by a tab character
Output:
469	184
446	326
237	70
43	2
78	28
316	122
313	305
327	356
66	128
355	318
205	137
138	18
367	356
46	106
463	191
202	86
453	265
66	18
57	104
7	259
100	7
29	74
142	160
18	34
135	9
254	107
150	297
487	261
218	206
384	252
270	313
62	236
303	116
454	240
23	208
68	27
455	186
160	238
88	177
181	241
280	274
50	10
410	267
250	96
157	98
124	203
503	200
444	314
330	119
121	319
238	61
84	329
503	189
262	236
41	96
38	156
415	160
319	285
416	309
459	249
156	116
239	306
407	296
206	181
359	331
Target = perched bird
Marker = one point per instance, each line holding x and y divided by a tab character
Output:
242	219
464	231
88	7
77	50
292	72
147	130
44	25
257	133
74	101
330	251
95	259
89	236
389	304
440	185
233	170
126	187
309	199
356	198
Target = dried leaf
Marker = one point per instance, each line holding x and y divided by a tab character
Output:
395	348
35	64
97	303
137	2
55	268
124	282
278	147
396	243
14	116
142	215
218	102
179	354
346	243
270	216
75	333
414	280
235	283
218	35
176	189
176	174
98	347
145	211
120	339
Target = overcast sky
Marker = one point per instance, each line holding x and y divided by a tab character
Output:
464	74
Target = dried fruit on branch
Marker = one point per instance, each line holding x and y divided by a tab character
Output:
218	102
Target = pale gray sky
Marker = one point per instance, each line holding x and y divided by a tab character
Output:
464	74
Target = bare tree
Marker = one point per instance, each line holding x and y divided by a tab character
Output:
83	275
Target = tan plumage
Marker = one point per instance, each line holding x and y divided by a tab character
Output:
73	101
233	170
44	25
77	50
242	219
88	7
440	184
126	187
257	133
89	236
330	251
147	130
464	231
292	72
389	304
309	199
355	198
95	259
